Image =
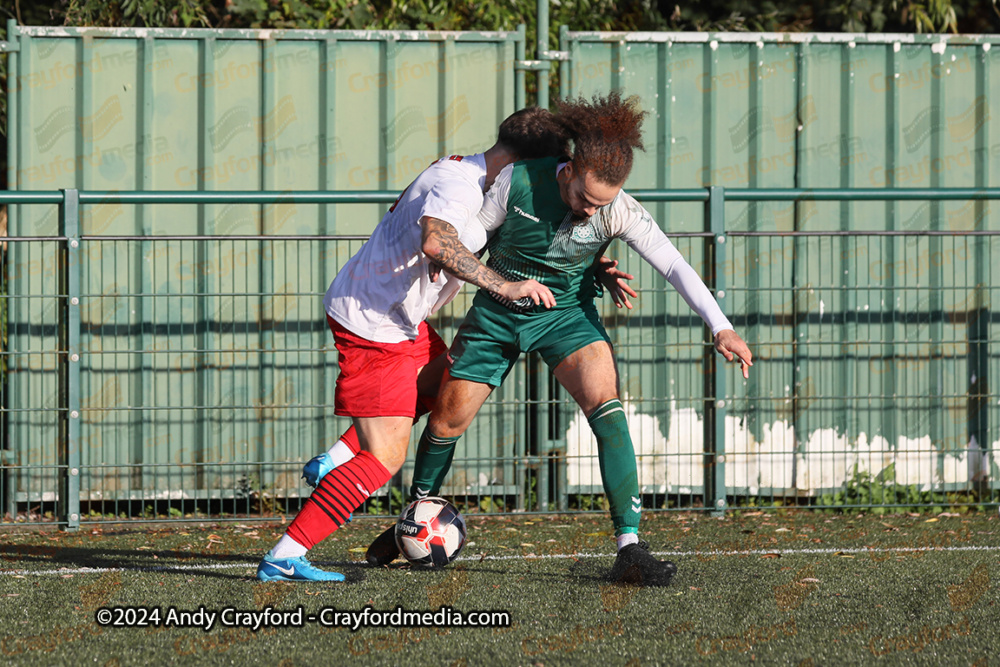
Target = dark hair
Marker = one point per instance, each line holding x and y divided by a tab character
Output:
604	132
533	133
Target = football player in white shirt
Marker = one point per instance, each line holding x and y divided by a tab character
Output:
390	360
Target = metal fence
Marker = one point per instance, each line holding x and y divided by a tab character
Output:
173	377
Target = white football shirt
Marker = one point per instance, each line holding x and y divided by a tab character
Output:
384	292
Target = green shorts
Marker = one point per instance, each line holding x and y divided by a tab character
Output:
492	338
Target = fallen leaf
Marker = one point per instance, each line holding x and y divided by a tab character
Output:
770	555
931	520
843	555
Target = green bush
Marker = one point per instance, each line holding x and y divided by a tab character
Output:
862	490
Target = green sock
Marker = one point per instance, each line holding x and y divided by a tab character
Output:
618	468
433	461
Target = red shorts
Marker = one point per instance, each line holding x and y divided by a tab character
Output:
380	379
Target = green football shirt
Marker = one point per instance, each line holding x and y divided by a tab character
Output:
535	236
539	240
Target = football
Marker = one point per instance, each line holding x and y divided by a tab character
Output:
430	531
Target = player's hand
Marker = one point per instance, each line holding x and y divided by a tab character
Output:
531	289
613	280
731	346
433	271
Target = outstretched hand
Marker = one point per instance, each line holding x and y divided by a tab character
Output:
613	280
532	289
731	346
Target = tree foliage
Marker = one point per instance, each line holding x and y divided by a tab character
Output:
713	15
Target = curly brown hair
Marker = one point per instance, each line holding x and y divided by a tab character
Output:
533	133
604	131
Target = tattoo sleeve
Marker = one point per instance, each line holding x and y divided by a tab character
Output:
448	251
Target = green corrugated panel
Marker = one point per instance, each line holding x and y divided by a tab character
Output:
751	110
224	342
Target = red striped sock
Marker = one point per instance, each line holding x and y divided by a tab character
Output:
339	493
350	438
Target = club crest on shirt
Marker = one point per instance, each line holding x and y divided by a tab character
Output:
576	242
584	233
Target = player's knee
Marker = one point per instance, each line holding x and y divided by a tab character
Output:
390	455
392	460
446	427
590	404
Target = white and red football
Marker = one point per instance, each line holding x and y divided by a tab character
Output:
430	531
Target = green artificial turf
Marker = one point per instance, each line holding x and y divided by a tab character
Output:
795	588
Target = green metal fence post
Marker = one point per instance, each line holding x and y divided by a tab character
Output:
716	405
979	325
520	88
564	65
13	120
542	49
69	441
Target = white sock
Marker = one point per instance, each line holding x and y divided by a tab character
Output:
288	548
340	453
626	539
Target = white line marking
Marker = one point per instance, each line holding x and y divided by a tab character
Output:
852	550
784	552
749	552
98	570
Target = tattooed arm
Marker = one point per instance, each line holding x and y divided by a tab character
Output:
443	247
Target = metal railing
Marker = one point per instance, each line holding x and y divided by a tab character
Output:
879	398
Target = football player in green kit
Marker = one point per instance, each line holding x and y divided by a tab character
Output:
552	217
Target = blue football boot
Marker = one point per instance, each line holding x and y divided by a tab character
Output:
293	569
317	469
